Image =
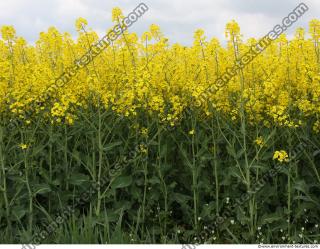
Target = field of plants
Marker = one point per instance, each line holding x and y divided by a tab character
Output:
129	152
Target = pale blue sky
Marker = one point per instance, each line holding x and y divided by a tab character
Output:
178	19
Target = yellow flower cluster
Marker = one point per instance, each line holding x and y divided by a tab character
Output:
280	87
259	141
281	156
24	146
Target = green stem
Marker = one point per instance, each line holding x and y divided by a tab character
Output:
215	162
50	163
4	180
289	189
66	157
163	184
100	148
29	192
194	180
244	135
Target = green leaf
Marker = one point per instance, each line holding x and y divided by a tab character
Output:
122	182
231	151
110	146
117	235
18	212
301	186
41	189
78	179
272	217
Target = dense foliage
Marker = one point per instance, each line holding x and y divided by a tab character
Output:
171	167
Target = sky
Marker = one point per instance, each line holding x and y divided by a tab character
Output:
178	19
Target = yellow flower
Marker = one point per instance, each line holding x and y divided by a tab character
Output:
146	36
143	149
259	141
191	132
232	29
144	132
24	146
155	30
116	14
8	32
69	119
81	23
281	156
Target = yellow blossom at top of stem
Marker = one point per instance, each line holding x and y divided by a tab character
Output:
299	34
8	32
146	36
81	23
155	30
232	29
116	14
162	80
314	28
